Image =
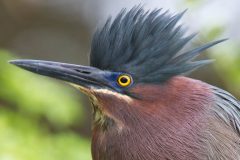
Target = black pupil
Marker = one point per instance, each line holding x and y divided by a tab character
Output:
124	80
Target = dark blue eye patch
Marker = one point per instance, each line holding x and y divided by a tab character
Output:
112	78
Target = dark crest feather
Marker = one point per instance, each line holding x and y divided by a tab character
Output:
145	44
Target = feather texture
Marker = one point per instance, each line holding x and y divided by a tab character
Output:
145	44
228	108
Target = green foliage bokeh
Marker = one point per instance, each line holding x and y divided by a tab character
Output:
36	115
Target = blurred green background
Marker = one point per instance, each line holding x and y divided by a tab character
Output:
42	118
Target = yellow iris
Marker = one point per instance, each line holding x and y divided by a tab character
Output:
124	80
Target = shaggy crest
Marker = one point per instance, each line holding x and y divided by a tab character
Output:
145	44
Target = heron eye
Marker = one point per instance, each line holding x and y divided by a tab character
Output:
124	80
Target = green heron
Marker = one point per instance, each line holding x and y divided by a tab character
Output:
143	106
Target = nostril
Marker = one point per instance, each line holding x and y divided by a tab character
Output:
82	71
